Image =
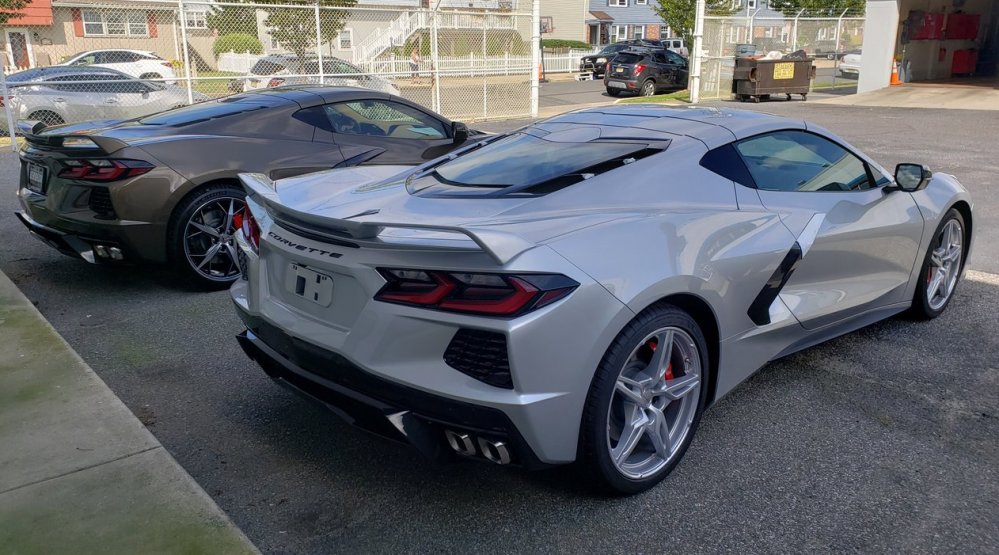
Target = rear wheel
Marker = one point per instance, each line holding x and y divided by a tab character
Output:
645	401
202	236
648	88
613	92
46	117
941	269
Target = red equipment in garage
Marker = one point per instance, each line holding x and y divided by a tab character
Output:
964	62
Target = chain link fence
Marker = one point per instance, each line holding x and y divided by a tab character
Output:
833	42
109	59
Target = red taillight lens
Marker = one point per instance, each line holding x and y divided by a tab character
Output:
9	98
244	221
487	294
103	170
275	82
639	68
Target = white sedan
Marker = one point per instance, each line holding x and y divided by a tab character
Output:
849	66
141	64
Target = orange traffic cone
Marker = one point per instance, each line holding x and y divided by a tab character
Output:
894	74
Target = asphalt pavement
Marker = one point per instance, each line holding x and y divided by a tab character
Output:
886	439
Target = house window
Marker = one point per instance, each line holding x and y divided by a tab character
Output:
751	4
346	39
196	20
131	24
617	3
619	33
641	2
639	32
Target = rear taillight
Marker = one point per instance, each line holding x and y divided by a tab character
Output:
639	68
167	64
275	82
244	221
102	170
473	293
9	98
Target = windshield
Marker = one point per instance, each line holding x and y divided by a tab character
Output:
266	67
614	48
523	159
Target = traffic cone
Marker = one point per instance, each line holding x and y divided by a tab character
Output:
894	74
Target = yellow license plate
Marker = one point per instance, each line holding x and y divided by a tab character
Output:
784	70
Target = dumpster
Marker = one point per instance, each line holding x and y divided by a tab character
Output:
757	79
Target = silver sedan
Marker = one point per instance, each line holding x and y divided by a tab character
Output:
61	94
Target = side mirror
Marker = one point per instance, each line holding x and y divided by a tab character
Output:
912	177
459	131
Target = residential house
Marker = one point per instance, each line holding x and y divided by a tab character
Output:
610	21
567	18
48	31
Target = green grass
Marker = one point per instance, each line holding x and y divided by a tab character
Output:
213	87
683	96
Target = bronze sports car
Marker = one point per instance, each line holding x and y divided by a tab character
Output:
163	188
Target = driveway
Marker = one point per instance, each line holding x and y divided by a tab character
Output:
886	439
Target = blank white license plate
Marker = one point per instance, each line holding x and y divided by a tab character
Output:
616	85
309	284
619	70
36	178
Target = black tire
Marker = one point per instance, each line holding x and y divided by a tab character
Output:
613	92
921	305
150	76
177	250
595	457
648	88
46	117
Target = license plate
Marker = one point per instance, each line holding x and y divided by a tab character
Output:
619	70
36	178
309	284
616	85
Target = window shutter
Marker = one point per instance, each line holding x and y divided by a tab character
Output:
151	20
77	22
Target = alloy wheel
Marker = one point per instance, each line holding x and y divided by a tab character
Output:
945	265
209	239
654	403
649	89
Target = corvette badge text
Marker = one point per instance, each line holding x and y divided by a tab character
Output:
303	248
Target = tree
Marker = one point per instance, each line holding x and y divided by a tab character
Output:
231	20
679	14
818	7
9	9
292	27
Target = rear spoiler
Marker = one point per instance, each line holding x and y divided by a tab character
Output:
31	129
499	245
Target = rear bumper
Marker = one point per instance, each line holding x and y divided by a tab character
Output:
378	405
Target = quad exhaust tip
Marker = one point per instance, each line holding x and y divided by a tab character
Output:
492	450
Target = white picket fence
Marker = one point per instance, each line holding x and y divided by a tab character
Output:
470	65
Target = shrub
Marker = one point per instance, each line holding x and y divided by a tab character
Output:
562	43
239	43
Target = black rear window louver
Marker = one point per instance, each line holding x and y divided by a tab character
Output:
564	181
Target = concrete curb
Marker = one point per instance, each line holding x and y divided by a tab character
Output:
78	472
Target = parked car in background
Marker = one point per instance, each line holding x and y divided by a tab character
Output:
597	63
141	64
287	69
646	72
163	188
583	288
676	45
60	94
849	66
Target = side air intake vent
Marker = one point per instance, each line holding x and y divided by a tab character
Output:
481	355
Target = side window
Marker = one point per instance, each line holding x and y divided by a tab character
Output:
800	161
725	161
87	60
675	58
101	58
660	58
379	118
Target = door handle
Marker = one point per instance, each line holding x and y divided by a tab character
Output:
59	99
111	101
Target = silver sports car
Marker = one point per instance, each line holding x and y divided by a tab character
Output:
581	289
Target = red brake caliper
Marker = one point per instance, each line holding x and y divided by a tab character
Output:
668	374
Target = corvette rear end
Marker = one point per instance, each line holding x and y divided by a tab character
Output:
463	329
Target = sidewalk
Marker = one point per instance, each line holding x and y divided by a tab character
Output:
78	472
951	96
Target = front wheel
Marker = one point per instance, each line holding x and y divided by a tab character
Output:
941	269
645	401
201	242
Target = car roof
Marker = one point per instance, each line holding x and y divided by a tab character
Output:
134	50
712	126
42	73
308	95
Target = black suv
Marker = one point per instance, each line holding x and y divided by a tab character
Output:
597	63
646	72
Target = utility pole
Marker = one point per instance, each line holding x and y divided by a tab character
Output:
695	61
